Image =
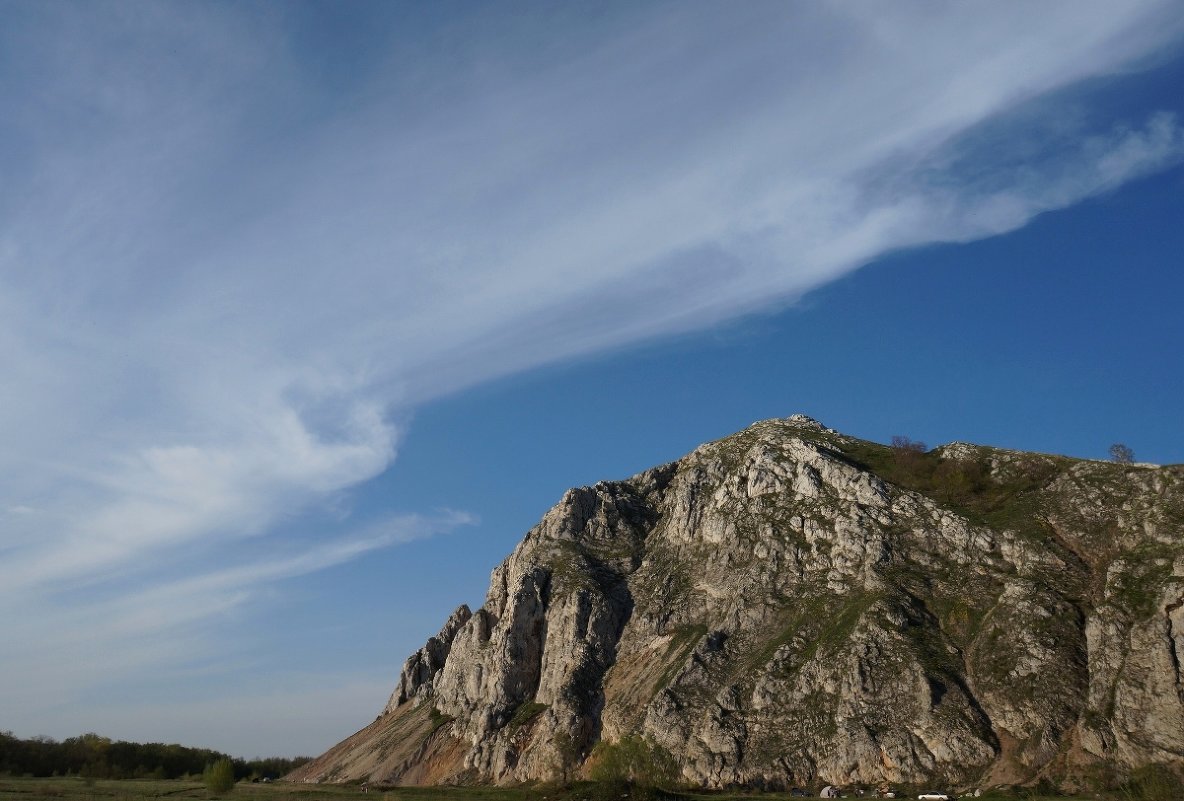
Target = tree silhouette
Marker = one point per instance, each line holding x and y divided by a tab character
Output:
1121	454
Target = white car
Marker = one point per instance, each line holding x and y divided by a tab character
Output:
935	797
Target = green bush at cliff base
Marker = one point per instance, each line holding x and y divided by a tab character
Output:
631	759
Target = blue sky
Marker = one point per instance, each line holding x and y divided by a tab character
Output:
308	312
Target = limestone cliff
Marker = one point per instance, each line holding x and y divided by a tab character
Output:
791	605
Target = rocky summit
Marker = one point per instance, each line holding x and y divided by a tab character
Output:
790	605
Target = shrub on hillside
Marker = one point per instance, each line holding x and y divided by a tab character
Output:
1154	783
632	759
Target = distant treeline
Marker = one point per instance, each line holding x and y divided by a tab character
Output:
90	755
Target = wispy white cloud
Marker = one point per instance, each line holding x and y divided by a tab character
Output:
203	595
161	497
224	276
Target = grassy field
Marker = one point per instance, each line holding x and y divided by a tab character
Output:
72	789
75	789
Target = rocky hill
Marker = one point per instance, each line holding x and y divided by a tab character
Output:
790	605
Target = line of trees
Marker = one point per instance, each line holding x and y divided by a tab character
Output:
91	755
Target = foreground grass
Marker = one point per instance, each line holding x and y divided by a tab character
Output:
72	789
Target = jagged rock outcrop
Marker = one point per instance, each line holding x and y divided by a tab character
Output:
422	667
791	605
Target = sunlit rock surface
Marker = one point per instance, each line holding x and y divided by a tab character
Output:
790	605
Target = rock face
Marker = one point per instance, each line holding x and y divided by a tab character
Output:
790	605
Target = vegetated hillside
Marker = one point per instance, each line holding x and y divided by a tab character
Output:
790	605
